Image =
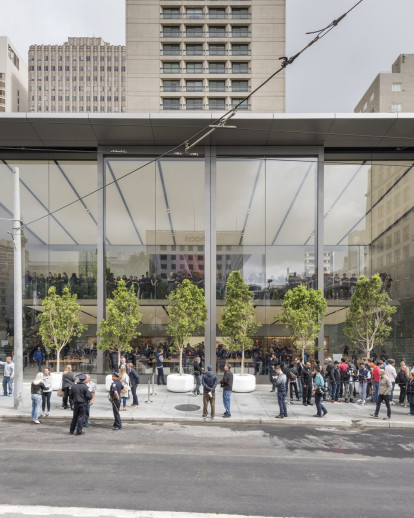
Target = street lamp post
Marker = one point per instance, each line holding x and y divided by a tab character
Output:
18	331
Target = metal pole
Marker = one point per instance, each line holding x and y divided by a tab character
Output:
149	400
320	229
18	330
153	384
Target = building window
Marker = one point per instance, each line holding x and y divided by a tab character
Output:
396	87
216	104
171	49
194	12
170	13
240	49
240	68
240	31
217	31
194	68
372	97
217	13
396	107
218	49
193	49
243	106
171	86
217	68
171	68
194	85
171	104
194	104
240	13
240	85
217	86
171	31
194	31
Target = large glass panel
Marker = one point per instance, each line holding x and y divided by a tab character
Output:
368	229
59	248
266	210
155	239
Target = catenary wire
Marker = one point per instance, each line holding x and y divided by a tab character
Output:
285	62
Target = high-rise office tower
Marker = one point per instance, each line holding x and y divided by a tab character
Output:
391	91
204	55
13	79
82	75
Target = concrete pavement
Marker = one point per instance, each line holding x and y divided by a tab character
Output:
258	407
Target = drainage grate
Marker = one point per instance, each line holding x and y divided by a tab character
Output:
188	408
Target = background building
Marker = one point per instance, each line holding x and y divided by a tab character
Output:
13	79
391	91
82	75
204	54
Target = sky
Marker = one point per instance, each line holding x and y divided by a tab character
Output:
330	77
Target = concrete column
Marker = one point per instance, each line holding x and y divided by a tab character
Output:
101	262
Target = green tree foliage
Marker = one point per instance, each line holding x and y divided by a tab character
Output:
119	327
238	319
59	321
188	314
369	315
303	311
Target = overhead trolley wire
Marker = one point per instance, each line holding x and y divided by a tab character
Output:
218	123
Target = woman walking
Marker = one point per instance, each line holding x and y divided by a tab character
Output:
68	379
37	389
124	379
47	393
402	380
198	372
319	392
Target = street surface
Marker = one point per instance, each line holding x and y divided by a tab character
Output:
209	467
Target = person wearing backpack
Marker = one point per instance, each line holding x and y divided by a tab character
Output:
330	378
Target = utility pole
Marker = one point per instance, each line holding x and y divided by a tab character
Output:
18	331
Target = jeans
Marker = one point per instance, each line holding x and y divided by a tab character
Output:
160	376
226	401
392	391
134	395
386	399
39	365
124	400
196	391
318	402
331	386
299	382
36	400
86	418
293	387
282	403
362	390
7	386
335	391
46	401
348	389
375	393
411	401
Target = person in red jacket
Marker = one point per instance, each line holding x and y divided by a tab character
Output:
376	378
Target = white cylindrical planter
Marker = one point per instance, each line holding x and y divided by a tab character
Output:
108	381
56	380
177	383
245	383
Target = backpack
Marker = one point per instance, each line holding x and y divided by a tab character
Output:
346	375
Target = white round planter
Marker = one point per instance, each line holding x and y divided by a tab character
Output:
245	383
177	383
108	381
56	380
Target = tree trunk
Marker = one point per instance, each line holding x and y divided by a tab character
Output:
181	361
119	358
58	359
242	363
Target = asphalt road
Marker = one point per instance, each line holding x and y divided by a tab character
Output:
211	467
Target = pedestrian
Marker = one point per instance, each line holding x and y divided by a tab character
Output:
36	389
385	388
273	362
392	374
319	392
307	384
299	368
362	384
134	382
115	393
92	387
124	379
402	380
198	372
38	357
227	385
80	395
68	379
292	377
410	392
8	376
336	388
376	378
209	382
47	393
281	392
159	356
330	377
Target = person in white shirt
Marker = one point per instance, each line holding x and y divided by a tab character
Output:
392	374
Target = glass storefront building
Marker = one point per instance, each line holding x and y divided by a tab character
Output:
285	207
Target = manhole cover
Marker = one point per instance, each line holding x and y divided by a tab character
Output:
188	408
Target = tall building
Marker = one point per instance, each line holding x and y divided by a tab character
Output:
13	79
82	75
204	55
391	91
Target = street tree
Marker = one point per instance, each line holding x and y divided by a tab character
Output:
303	311
119	327
369	315
59	321
238	319
187	312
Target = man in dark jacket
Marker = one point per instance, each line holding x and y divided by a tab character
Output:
227	385
81	395
209	393
307	384
134	382
336	375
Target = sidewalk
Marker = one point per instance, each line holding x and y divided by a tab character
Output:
258	407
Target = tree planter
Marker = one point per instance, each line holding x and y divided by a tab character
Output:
56	378
245	383
177	383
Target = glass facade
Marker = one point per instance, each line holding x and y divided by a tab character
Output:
263	212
